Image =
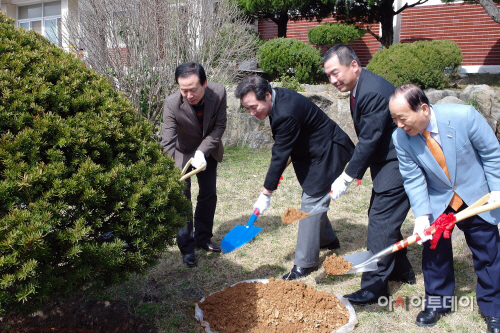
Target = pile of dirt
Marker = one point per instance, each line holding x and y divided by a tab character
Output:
277	306
77	315
292	215
336	265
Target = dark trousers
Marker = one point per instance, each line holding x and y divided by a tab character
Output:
437	265
204	212
386	213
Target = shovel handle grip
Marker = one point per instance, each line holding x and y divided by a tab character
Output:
253	217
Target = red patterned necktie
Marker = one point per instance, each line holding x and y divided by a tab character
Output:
352	103
438	154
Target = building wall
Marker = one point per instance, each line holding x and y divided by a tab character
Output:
68	7
467	24
364	48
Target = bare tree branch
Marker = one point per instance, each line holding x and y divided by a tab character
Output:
406	5
137	44
377	37
491	9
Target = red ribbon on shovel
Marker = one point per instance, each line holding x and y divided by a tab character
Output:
444	225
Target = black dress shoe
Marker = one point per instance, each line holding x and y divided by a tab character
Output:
332	246
190	259
493	324
364	297
408	277
209	247
298	272
429	318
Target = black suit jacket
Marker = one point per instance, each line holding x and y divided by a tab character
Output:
319	148
374	126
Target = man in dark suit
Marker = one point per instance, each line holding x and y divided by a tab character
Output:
449	158
194	119
389	204
319	150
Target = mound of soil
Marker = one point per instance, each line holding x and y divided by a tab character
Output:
336	265
292	215
277	306
76	315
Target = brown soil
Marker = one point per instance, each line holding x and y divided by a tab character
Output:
336	265
77	315
278	306
292	215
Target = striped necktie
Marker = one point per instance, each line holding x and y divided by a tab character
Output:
436	151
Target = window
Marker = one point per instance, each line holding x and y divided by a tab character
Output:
44	18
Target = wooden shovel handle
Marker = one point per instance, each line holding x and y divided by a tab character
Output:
194	172
188	164
477	207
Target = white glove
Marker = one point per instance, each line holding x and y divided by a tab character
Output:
494	197
263	202
340	185
199	160
422	223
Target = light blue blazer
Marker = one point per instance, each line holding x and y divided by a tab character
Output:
472	155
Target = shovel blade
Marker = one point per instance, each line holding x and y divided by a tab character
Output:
361	262
238	236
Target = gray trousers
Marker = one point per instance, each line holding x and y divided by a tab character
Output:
314	231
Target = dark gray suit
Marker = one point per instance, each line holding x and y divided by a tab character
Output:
319	149
389	204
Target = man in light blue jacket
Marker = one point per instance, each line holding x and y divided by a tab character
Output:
472	159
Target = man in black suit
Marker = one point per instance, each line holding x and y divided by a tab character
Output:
389	204
319	150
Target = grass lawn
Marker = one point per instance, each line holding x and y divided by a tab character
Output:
167	295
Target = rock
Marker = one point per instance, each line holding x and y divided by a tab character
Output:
310	88
322	100
435	95
495	106
255	140
470	90
450	100
340	112
237	125
233	103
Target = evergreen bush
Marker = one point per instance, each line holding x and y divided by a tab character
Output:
334	33
86	195
428	64
289	82
284	56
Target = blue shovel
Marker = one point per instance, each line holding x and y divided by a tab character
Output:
240	234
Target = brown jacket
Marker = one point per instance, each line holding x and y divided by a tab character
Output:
181	135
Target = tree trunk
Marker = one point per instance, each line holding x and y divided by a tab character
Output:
282	21
386	19
491	9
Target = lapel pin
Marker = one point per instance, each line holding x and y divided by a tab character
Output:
449	136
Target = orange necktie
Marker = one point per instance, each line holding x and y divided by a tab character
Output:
436	151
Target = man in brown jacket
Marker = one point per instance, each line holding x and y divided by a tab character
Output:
194	119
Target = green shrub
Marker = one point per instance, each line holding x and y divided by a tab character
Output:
428	64
86	195
292	57
290	82
334	33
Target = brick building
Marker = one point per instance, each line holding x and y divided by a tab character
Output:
468	25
